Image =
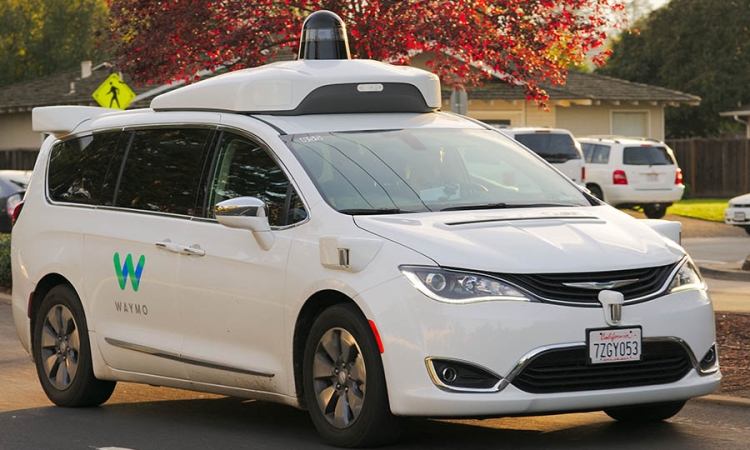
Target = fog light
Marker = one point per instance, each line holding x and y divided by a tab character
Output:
710	362
462	376
449	374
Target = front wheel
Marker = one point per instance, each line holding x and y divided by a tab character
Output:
62	353
343	380
654	412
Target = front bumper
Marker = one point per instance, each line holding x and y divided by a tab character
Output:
499	335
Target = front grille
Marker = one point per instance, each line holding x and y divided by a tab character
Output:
550	286
567	370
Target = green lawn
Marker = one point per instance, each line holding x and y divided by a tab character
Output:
703	208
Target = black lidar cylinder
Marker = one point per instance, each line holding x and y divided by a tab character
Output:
323	37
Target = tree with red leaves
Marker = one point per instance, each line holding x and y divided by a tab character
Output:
527	42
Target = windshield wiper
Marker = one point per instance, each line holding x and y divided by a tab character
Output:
504	205
369	211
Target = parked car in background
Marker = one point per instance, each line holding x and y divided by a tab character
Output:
630	172
12	187
738	212
557	146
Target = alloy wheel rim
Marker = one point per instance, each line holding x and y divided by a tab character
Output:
339	375
60	347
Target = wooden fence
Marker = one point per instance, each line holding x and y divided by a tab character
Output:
714	168
18	159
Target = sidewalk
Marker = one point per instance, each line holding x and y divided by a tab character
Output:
728	285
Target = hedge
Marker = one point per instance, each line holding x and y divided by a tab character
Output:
5	275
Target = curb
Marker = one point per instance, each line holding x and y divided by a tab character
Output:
724	273
725	400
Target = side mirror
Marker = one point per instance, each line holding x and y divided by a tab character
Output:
247	213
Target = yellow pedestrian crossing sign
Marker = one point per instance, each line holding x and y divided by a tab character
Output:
114	93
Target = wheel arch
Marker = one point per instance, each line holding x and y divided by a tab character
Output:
589	186
313	307
46	284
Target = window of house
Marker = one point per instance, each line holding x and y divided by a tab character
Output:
634	124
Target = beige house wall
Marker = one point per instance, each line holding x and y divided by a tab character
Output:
580	120
16	132
597	120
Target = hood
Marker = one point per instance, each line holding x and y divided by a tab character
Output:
740	200
539	240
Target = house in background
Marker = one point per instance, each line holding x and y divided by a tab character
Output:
587	104
69	87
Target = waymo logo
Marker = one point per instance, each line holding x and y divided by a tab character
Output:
127	270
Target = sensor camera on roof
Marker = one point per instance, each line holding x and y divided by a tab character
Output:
324	37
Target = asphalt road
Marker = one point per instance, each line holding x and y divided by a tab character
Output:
142	417
717	249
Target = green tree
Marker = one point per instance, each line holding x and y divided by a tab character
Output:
697	46
41	37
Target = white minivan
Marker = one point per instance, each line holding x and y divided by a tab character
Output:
556	145
317	233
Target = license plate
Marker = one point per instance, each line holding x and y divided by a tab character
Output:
739	216
652	177
608	345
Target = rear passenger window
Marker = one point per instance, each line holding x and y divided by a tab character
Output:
595	154
163	170
245	169
79	167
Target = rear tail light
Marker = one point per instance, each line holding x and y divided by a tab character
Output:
11	203
619	177
583	174
16	212
678	177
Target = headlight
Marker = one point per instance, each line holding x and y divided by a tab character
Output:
460	287
687	277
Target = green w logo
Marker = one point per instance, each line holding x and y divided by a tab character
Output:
123	271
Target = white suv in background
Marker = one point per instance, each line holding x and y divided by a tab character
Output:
629	172
557	146
738	212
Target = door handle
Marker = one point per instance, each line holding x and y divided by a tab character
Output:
192	251
168	245
180	248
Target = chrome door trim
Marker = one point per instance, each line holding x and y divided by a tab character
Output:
182	359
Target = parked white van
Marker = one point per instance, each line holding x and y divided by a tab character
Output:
556	145
317	233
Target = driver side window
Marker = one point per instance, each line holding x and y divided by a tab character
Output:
244	169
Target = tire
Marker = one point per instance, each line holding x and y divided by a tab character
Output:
596	191
747	230
344	384
655	211
654	412
62	353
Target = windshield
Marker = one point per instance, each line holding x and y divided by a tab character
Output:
554	147
392	171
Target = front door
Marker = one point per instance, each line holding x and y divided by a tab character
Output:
231	297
